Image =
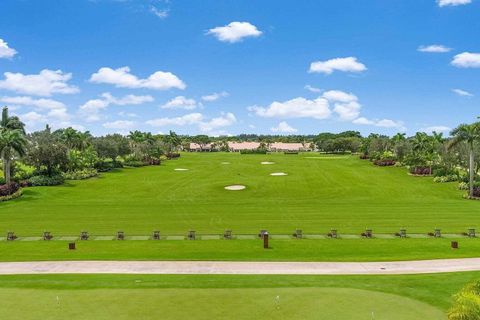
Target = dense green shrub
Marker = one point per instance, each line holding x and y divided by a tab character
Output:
447	178
384	163
44	180
80	174
22	171
466	303
134	163
257	151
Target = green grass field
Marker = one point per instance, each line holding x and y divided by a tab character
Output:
319	193
237	297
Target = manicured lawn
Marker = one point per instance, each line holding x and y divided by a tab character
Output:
319	193
239	297
237	250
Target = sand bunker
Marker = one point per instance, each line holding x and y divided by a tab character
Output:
278	174
180	169
235	187
225	162
267	162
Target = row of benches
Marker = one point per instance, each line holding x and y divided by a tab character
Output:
191	235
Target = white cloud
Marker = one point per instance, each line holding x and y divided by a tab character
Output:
91	109
180	102
283	127
466	60
235	31
122	78
161	13
127	114
225	120
59	114
295	108
46	83
346	105
6	51
462	93
434	48
437	129
444	3
32	117
188	119
312	89
349	64
119	124
42	103
215	96
385	123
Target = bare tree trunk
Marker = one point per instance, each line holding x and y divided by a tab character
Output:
471	170
7	170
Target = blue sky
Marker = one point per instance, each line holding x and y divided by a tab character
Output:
230	67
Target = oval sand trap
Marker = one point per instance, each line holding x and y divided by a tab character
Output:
235	187
266	162
278	174
225	162
180	169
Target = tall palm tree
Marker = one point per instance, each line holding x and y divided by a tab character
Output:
468	134
12	140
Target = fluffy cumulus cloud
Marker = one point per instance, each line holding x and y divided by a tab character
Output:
345	105
235	31
283	127
210	126
384	123
6	51
45	104
122	78
91	109
348	64
180	102
462	93
445	3
46	83
223	121
434	48
467	60
437	129
295	108
215	96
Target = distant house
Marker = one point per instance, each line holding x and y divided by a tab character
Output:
195	147
239	146
286	147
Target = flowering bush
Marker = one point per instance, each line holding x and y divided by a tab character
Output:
9	189
80	174
448	178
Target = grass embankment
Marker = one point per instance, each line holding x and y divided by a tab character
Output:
240	297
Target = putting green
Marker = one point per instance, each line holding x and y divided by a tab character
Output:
244	303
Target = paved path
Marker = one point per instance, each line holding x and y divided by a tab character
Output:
225	267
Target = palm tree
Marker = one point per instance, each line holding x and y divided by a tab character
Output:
469	134
12	140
